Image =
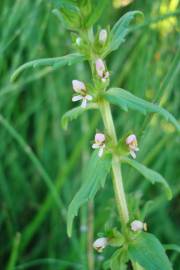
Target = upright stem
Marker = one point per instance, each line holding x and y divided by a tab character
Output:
90	235
117	176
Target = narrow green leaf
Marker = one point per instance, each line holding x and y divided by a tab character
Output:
96	12
94	178
125	99
118	260
51	62
14	253
173	247
64	3
121	29
74	113
149	174
148	252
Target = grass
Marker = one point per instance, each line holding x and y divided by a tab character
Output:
41	164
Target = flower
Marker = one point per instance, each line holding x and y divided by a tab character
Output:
101	70
99	143
138	225
131	141
100	243
78	41
80	88
103	36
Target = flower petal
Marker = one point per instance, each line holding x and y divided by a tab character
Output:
103	36
137	225
95	146
100	244
133	154
88	97
100	67
101	150
99	137
131	138
78	86
76	98
84	103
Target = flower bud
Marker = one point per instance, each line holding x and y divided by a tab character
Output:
100	244
131	141
138	225
99	138
101	70
78	41
103	36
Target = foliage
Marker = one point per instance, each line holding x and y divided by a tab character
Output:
32	219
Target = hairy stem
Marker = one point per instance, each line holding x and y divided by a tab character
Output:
90	212
90	235
117	176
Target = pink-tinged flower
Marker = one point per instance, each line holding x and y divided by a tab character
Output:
101	70
103	36
99	143
138	225
100	244
131	141
80	88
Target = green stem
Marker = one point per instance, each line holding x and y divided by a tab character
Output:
117	175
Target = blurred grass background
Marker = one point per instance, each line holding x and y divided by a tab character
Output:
38	157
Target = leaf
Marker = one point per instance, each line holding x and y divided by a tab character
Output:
94	178
152	176
148	252
173	247
52	62
126	100
118	260
64	3
121	29
74	113
96	12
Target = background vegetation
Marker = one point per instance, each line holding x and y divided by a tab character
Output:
38	156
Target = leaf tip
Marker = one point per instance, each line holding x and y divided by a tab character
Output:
64	123
13	77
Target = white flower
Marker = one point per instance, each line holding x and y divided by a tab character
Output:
100	244
138	225
78	41
131	141
80	88
101	70
99	143
103	36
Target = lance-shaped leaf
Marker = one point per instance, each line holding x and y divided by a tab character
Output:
96	12
50	62
74	113
64	3
121	29
147	251
94	177
126	101
152	176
